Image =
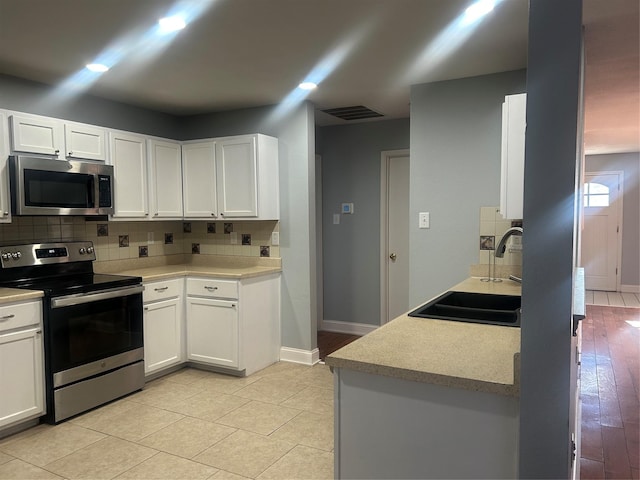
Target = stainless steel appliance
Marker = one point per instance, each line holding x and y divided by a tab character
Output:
43	186
92	324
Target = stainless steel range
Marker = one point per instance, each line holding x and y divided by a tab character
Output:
93	340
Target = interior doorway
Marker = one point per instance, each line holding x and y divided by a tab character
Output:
602	233
394	234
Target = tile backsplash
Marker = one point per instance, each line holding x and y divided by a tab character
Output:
492	227
125	240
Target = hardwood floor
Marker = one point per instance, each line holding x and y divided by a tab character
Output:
610	389
330	342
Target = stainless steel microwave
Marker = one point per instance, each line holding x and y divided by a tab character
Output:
43	186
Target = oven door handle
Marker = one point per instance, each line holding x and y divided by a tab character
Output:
82	298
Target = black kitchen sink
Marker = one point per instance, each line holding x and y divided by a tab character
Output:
473	307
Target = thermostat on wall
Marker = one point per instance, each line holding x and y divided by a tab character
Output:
347	208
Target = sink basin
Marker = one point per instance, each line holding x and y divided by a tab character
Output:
473	307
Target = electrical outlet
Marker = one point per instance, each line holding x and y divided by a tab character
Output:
149	237
275	238
234	238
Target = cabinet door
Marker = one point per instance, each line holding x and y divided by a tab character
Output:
165	179
237	171
33	134
199	180
21	375
512	156
212	331
129	160
85	141
5	211
162	334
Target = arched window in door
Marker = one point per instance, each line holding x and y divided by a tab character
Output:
596	195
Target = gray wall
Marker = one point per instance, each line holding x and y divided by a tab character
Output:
351	250
629	163
550	236
36	98
455	169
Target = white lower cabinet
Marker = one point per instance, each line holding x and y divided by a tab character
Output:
212	336
234	324
163	325
21	362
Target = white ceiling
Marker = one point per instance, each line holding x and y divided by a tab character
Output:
244	53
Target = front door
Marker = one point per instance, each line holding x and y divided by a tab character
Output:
600	237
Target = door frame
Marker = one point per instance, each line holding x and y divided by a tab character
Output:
618	210
385	159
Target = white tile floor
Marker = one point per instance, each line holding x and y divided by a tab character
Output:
192	424
612	299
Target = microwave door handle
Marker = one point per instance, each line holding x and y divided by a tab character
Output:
83	298
92	191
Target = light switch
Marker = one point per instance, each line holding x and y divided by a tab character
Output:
336	219
234	238
149	237
275	238
423	220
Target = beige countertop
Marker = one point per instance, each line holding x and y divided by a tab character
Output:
10	295
164	272
455	354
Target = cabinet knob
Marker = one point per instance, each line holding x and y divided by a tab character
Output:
6	317
56	152
6	213
70	154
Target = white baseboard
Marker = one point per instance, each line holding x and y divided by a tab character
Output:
346	327
630	288
296	355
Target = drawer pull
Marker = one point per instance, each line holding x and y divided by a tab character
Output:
211	289
161	289
6	317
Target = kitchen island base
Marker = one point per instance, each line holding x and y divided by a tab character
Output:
393	428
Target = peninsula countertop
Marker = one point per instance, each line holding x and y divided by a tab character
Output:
455	354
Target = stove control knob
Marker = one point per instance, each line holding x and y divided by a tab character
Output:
82	251
5	255
16	255
89	249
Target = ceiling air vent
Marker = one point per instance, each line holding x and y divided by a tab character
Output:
357	112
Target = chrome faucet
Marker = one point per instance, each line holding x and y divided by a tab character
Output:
502	245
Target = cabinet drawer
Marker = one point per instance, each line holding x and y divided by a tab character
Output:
154	291
19	315
203	287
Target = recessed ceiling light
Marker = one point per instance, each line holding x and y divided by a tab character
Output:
478	9
171	24
97	67
307	85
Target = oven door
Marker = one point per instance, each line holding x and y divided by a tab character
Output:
90	334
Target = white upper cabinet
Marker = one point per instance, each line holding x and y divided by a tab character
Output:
237	170
129	159
5	205
512	158
35	134
165	179
231	178
85	142
199	180
57	138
